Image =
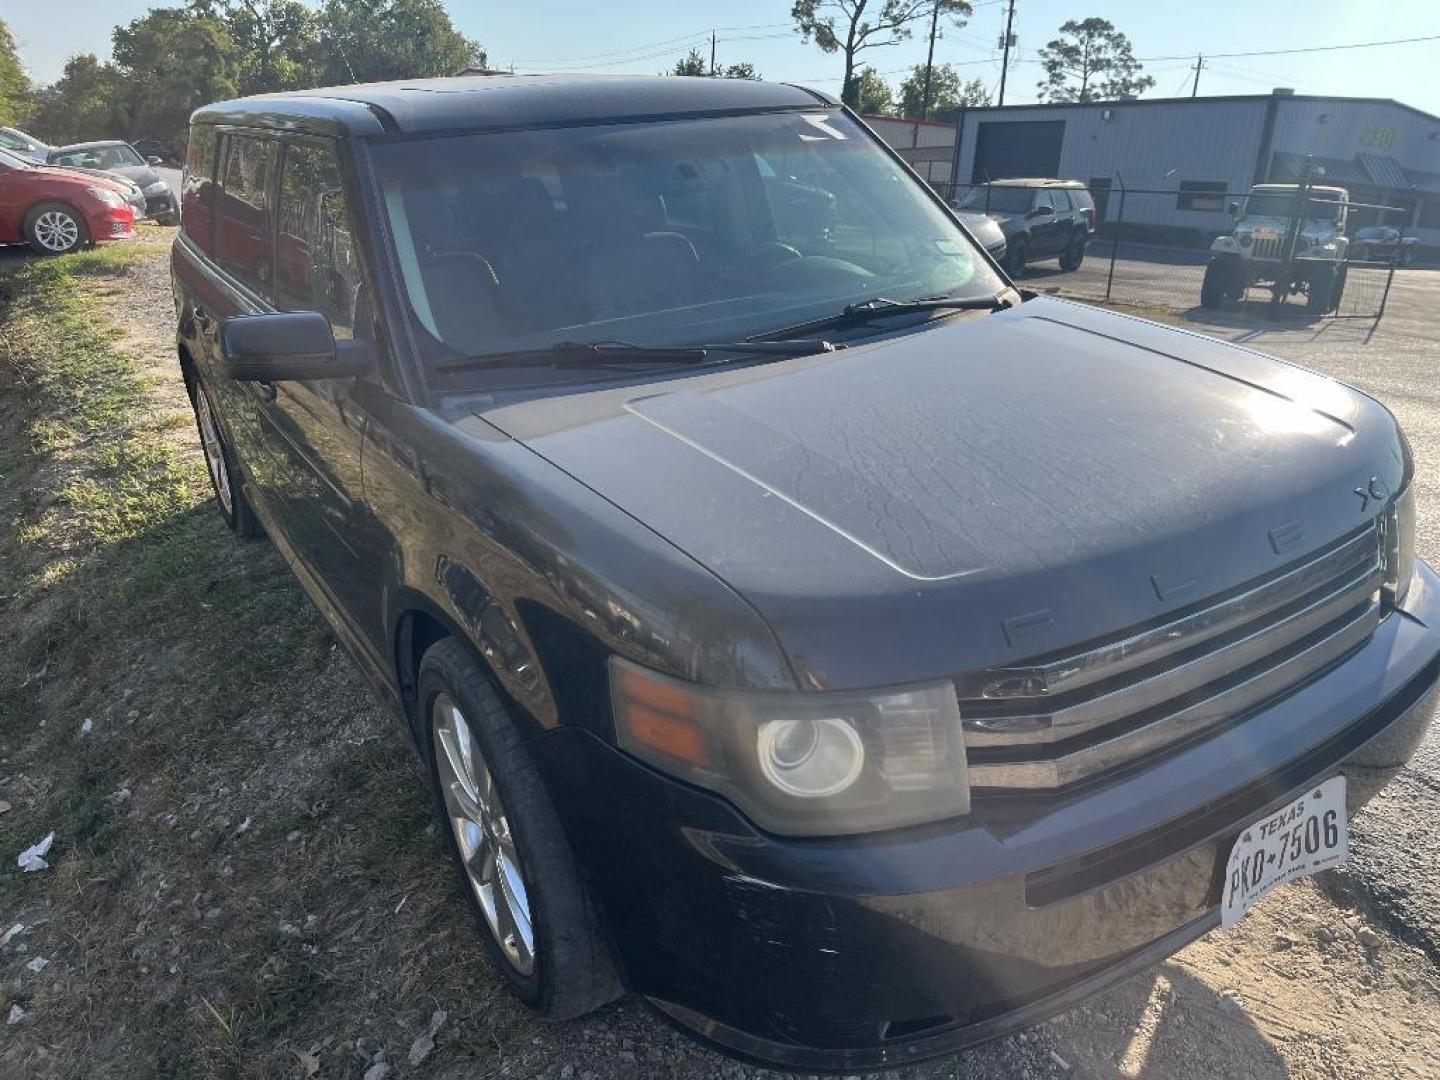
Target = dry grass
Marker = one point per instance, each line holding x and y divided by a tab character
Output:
235	833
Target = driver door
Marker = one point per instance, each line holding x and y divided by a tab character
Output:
1044	226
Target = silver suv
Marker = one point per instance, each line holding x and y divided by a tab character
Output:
1255	250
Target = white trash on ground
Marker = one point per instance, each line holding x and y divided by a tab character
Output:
33	858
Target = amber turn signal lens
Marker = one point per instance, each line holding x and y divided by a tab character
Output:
660	716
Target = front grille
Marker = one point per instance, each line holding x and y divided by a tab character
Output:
1266	248
1054	724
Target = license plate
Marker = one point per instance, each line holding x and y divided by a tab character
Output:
1310	834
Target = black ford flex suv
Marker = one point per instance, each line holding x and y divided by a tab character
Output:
803	629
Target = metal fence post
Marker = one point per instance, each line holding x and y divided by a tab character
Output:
1286	278
1115	236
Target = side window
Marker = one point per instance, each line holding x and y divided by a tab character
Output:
1061	198
1042	198
244	218
197	189
316	267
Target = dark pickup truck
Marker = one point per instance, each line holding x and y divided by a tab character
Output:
803	629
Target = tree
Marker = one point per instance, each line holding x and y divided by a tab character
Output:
1090	61
15	104
872	93
276	42
853	26
373	40
88	101
948	92
171	61
692	63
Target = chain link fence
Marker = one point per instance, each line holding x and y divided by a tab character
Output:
1269	268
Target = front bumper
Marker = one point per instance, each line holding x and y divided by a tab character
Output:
850	953
159	204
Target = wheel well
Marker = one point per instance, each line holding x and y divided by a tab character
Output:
414	633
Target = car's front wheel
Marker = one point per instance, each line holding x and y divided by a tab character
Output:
539	922
1074	253
1221	281
1015	256
53	228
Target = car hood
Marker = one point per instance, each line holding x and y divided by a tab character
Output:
143	175
983	228
994	487
88	177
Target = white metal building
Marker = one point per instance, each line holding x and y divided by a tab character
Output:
928	145
1198	149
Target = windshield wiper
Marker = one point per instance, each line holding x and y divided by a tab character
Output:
880	307
580	354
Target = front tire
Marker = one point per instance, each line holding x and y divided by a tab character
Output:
172	218
220	464
53	228
1220	280
1074	253
1318	294
1015	258
539	923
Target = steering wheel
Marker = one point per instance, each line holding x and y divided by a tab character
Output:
771	253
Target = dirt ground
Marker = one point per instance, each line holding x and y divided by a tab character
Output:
245	880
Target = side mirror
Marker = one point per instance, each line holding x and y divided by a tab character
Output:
1042	211
1234	209
290	346
153	160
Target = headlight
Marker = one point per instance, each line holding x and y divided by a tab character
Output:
156	188
1246	239
801	763
107	196
1397	538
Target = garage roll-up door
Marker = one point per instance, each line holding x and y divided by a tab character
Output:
1017	148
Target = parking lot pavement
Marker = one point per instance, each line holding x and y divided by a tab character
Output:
1395	862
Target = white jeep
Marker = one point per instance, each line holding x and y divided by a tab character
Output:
1254	250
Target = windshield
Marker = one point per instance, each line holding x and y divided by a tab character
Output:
998	200
1319	207
659	233
110	156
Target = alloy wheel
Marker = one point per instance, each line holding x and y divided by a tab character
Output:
57	231
482	833
214	449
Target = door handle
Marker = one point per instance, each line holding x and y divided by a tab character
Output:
267	390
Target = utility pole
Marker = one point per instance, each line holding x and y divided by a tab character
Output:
712	53
1199	63
1005	43
929	61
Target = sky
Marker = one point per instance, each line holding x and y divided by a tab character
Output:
648	36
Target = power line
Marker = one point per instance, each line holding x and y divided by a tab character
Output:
1308	49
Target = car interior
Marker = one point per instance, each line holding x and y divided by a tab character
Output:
508	236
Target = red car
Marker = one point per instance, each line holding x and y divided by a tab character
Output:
59	210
